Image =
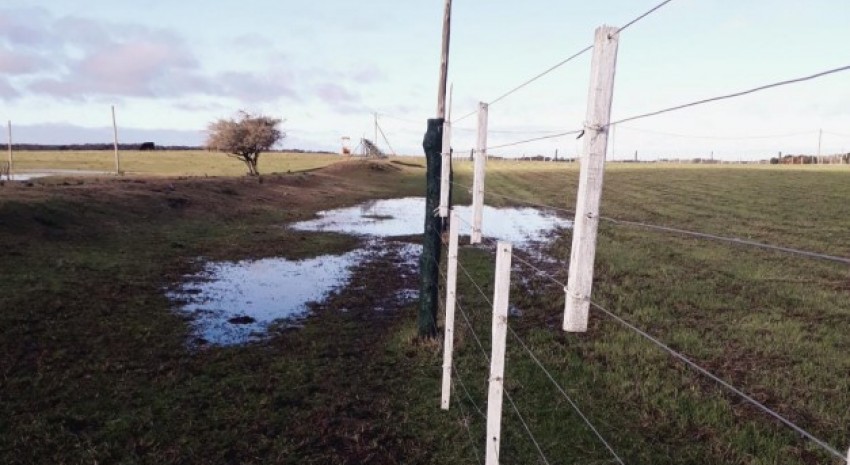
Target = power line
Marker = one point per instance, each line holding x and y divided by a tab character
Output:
733	95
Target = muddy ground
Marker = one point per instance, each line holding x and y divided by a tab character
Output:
95	363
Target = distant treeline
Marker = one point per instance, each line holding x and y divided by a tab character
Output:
139	146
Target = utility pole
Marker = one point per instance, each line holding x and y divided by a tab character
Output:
820	138
115	142
376	128
429	262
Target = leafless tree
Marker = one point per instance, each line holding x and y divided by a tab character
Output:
245	137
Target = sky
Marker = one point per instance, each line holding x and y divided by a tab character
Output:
170	68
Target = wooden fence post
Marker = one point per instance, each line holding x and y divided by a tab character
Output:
451	295
478	173
583	251
11	168
115	142
501	297
445	172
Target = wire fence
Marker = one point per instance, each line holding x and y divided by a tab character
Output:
521	257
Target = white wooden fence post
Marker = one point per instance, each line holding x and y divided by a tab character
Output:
11	168
451	295
478	173
501	296
115	142
446	169
583	252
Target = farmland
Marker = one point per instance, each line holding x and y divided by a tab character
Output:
166	163
96	367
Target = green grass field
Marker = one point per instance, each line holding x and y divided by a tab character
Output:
95	368
168	163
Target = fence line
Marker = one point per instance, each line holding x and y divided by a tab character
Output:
535	139
560	388
686	232
734	240
477	339
564	61
702	370
733	95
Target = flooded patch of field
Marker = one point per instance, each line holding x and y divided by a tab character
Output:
405	216
237	302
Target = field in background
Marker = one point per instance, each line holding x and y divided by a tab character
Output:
95	367
168	163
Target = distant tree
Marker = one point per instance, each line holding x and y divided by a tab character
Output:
245	137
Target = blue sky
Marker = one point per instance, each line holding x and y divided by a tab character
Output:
172	67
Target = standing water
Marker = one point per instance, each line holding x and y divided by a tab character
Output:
237	302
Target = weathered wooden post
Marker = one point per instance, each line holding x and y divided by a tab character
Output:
583	251
11	161
115	142
451	295
429	263
479	171
501	296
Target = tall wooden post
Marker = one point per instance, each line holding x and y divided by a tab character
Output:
375	140
115	142
820	139
451	294
433	144
444	60
501	297
9	139
479	171
583	251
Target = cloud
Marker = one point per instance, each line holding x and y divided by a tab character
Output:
18	63
60	133
7	91
340	99
252	87
79	59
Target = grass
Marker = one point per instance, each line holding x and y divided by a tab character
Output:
764	321
95	367
169	163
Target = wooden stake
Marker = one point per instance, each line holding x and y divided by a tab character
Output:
583	252
478	173
444	60
115	142
497	355
11	161
451	295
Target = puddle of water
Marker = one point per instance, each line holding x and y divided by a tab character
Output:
236	302
400	217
